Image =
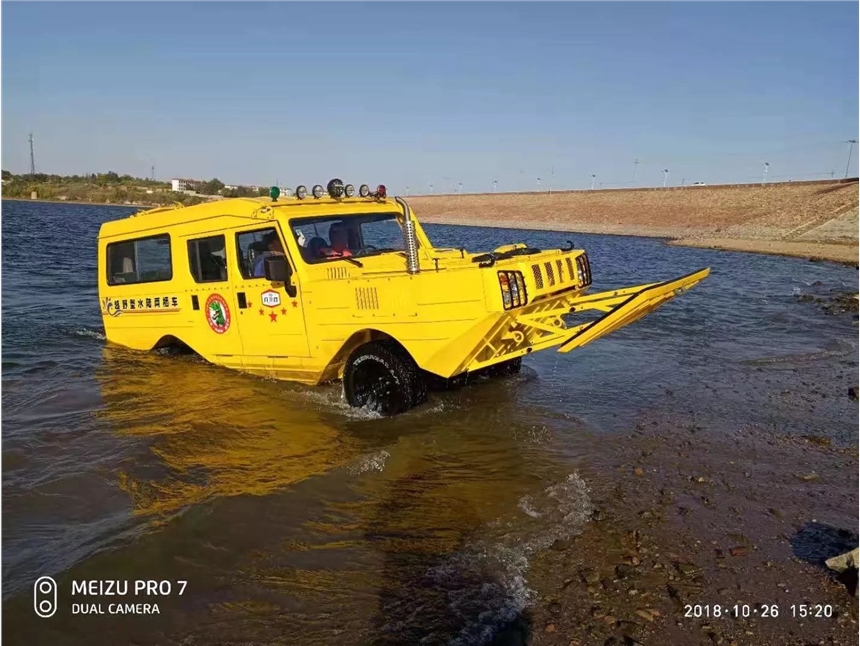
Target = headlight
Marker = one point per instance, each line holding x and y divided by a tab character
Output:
318	191
513	289
349	189
301	191
583	270
364	190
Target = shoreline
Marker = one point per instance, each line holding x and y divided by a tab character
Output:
82	203
844	253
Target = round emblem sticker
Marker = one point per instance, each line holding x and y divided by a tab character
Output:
217	313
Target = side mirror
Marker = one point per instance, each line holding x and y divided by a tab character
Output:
278	270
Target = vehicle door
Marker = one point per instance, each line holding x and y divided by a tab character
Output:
272	321
213	313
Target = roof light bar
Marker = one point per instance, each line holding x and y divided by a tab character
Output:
335	188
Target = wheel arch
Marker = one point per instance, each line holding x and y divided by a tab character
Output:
334	368
173	344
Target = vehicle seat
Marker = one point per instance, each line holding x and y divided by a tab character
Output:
254	250
314	246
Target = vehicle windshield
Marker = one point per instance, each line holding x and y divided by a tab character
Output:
351	236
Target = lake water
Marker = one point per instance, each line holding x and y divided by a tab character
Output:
295	519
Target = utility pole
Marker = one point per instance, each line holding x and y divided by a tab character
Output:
635	166
495	182
32	157
764	173
665	175
152	171
850	143
551	177
459	188
593	177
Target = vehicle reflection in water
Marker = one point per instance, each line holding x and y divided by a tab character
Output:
212	432
288	515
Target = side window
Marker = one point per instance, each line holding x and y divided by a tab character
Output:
207	258
145	260
253	247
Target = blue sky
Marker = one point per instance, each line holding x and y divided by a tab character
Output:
410	94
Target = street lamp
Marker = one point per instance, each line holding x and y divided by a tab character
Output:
851	143
459	188
635	166
593	177
431	187
764	173
538	183
665	175
407	191
495	183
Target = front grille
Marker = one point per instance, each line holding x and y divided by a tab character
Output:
538	276
550	276
570	269
560	271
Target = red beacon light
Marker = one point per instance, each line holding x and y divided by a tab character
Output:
380	191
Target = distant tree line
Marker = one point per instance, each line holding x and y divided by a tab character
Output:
114	188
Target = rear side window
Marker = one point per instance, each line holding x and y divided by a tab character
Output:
144	260
207	258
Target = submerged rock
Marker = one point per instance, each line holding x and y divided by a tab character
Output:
843	562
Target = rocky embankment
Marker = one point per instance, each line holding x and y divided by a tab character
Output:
808	219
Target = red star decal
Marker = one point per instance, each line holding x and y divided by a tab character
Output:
249	304
273	317
283	311
261	311
295	304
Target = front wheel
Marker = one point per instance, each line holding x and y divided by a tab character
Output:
383	377
505	368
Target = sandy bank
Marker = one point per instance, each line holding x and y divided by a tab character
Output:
809	219
844	253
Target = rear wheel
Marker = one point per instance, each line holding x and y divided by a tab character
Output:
383	377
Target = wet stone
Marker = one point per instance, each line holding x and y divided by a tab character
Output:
623	570
687	569
590	576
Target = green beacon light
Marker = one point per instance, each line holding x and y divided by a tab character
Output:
274	193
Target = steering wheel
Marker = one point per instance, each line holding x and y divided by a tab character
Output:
365	250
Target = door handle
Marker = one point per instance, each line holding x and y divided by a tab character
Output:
242	302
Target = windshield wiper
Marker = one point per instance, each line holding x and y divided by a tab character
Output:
355	262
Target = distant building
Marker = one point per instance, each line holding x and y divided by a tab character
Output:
182	184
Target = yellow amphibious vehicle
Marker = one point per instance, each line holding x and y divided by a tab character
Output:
331	285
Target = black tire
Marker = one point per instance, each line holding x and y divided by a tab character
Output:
383	377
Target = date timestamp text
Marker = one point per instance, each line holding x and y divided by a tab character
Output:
745	610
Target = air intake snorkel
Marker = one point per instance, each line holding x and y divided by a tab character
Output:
409	240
